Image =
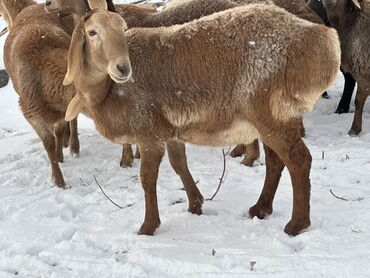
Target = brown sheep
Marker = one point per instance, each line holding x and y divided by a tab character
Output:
351	18
179	12
36	58
64	135
33	57
231	77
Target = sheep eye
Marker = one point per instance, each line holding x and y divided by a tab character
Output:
92	33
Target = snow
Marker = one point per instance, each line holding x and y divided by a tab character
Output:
49	232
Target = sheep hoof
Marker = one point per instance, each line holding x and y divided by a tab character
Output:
248	161
354	132
260	211
239	150
196	206
341	110
294	228
125	164
59	181
148	229
60	157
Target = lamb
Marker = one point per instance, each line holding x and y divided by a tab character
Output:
65	135
227	78
351	18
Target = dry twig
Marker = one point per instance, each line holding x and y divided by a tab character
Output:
340	198
222	176
129	205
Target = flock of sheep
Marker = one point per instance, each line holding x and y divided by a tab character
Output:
207	72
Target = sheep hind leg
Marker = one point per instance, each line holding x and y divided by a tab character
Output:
361	97
252	153
127	156
59	129
274	167
73	141
151	156
177	157
45	132
137	152
287	143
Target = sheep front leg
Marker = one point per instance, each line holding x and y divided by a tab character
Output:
361	97
45	131
177	157
127	156
151	156
66	135
274	167
59	129
74	142
287	143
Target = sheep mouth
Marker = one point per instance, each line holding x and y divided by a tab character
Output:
119	79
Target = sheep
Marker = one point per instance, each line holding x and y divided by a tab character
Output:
231	77
349	81
351	19
64	135
32	54
178	12
36	53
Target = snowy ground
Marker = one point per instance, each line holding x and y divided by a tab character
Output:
49	232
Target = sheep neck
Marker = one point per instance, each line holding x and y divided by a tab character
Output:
94	91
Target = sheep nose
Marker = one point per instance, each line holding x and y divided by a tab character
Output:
47	3
124	70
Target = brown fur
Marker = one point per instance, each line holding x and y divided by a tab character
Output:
351	18
9	9
228	78
181	12
33	56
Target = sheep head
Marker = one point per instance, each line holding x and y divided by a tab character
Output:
98	50
99	46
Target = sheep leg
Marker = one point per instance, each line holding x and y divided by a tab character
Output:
349	86
177	157
252	153
59	129
45	132
127	157
66	135
137	153
361	97
151	156
274	167
239	150
74	142
287	143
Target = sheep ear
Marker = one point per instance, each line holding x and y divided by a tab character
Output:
74	108
75	53
98	4
357	4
